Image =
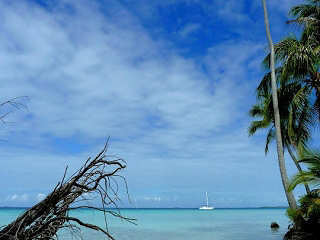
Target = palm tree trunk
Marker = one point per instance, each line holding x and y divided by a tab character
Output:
297	165
284	177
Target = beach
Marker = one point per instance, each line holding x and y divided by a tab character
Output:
179	224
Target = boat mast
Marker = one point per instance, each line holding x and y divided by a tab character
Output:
207	199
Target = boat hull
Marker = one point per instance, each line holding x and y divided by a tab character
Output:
206	208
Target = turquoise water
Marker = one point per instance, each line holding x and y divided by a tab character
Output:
180	224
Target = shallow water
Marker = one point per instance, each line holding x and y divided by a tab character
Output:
180	224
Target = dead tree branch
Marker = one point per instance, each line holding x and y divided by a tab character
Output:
43	220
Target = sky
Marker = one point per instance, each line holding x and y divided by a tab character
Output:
170	81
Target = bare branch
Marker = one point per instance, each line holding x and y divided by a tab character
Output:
96	177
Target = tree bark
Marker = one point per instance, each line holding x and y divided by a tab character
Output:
297	165
284	177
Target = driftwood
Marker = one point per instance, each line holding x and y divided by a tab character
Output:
96	177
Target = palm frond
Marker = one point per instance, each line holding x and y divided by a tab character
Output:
302	177
312	175
255	125
305	10
270	137
298	59
301	118
264	87
256	111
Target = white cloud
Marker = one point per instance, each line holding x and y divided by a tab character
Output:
233	11
154	199
102	82
40	197
91	75
189	29
18	198
14	197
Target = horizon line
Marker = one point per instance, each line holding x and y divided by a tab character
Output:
263	207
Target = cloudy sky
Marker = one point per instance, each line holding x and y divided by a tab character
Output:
170	81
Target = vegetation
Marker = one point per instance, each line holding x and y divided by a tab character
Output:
293	76
283	172
300	128
312	175
306	219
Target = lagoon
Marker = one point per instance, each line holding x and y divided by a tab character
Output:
180	224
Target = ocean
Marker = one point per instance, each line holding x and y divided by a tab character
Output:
179	224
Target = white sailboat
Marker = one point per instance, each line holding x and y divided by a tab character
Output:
207	207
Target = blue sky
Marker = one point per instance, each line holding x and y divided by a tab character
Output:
170	81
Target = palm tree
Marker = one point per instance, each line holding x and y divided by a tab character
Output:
301	121
308	16
284	176
312	175
299	59
299	62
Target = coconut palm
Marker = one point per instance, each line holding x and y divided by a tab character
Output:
299	59
308	16
306	52
283	172
299	121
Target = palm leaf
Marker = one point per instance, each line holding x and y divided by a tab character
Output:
270	137
255	125
302	177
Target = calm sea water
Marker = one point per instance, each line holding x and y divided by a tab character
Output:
180	224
